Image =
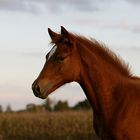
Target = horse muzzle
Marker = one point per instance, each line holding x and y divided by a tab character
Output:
36	90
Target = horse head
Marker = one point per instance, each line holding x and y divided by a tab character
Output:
61	66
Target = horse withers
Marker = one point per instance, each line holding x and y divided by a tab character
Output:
113	92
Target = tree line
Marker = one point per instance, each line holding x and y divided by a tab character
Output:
51	105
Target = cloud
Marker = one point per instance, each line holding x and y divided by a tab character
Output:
136	29
18	5
36	6
56	6
127	27
134	1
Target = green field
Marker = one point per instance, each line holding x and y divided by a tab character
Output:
69	125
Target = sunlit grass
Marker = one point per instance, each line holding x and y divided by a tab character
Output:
47	125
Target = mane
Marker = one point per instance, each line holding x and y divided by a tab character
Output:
103	51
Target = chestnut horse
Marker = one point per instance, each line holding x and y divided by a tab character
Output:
113	92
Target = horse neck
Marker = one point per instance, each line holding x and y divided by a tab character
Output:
98	79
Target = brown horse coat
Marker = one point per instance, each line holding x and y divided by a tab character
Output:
113	92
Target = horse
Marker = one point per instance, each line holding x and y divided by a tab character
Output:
111	88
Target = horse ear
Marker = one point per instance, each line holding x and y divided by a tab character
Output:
65	34
52	34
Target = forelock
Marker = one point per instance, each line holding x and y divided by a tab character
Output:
52	51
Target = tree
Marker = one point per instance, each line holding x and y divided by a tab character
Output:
48	104
60	106
8	109
31	107
1	110
82	105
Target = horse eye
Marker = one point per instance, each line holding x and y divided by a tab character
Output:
60	58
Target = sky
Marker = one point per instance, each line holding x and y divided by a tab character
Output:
24	40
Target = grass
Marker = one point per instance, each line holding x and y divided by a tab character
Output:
69	125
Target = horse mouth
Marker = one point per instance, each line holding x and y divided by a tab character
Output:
48	91
37	94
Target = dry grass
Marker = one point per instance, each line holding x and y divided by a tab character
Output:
45	125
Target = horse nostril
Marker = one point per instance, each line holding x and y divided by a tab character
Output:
36	89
